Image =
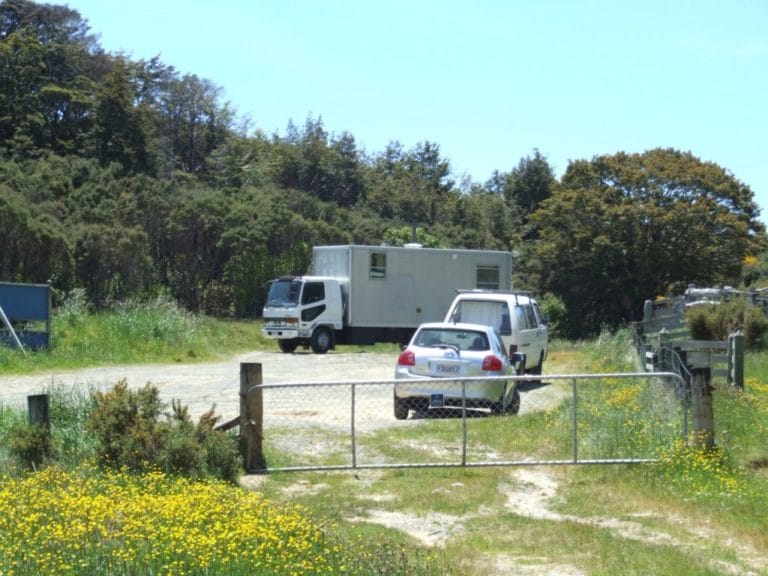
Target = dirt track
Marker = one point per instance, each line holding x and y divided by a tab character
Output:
199	386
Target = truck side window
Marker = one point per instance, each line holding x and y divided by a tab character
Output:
378	265
487	277
522	321
505	328
531	317
313	292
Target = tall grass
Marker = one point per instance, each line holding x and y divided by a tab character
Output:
132	332
731	480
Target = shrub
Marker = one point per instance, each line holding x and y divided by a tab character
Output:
131	434
719	321
557	314
31	445
127	427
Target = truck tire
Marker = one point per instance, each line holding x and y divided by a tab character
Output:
321	340
537	371
288	346
539	367
401	409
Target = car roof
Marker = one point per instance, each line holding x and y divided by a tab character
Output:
494	297
457	326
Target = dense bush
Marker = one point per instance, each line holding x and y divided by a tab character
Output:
133	432
31	445
719	321
556	314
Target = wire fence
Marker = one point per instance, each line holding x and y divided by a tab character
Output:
620	418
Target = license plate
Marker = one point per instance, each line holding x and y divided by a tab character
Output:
436	401
447	368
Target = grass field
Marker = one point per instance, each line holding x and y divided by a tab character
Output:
695	512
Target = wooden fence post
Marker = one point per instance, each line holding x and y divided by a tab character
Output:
701	403
661	356
736	360
38	410
251	417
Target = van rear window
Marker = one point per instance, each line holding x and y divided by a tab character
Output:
494	314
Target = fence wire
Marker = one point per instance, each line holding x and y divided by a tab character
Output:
604	419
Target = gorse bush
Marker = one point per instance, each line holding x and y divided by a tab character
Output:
132	431
719	321
31	445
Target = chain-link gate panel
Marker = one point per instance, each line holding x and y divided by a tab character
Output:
605	418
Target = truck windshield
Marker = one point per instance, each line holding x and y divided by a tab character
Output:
283	293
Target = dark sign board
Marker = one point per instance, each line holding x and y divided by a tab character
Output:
26	303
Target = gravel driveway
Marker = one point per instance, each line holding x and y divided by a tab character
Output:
199	386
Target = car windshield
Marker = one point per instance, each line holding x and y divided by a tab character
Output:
283	293
461	339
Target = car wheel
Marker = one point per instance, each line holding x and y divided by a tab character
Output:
401	409
321	341
288	346
514	405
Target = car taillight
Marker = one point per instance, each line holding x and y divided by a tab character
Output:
492	363
406	358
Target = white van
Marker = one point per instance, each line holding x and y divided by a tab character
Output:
516	315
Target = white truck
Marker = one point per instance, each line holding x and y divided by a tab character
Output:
366	294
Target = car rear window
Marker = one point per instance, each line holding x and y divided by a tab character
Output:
462	339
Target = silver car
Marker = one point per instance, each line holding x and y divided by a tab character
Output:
455	350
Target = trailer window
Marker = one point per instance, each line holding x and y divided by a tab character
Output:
378	265
488	277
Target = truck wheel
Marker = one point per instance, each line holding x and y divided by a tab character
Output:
288	346
321	341
401	409
536	371
539	367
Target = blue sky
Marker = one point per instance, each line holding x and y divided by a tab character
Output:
487	80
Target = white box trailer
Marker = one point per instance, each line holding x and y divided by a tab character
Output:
364	294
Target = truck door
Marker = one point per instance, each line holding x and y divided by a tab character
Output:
312	301
531	340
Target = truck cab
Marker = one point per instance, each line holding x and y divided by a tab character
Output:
304	311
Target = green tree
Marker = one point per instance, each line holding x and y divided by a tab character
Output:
21	67
119	131
112	262
624	228
34	245
412	187
192	123
527	185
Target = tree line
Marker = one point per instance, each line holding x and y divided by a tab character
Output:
124	178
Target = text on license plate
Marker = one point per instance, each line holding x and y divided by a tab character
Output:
447	368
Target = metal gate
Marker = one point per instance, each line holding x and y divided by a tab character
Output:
350	425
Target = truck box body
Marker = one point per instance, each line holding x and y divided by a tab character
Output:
401	287
365	294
